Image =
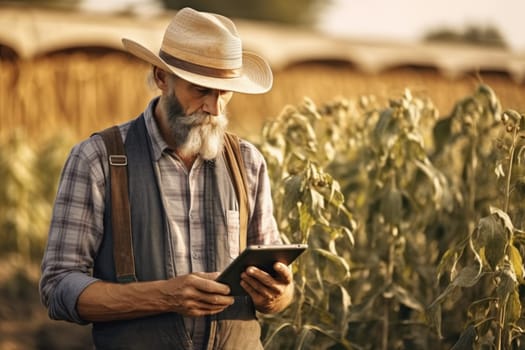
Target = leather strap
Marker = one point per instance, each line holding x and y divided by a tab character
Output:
120	210
233	156
198	69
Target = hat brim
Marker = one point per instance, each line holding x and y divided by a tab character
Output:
256	76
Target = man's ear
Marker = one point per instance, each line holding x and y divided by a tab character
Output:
161	78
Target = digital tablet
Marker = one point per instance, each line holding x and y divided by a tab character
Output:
261	256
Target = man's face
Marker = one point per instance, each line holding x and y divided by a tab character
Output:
196	118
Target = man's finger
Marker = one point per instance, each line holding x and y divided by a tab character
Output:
285	275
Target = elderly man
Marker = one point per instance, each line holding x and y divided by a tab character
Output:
184	211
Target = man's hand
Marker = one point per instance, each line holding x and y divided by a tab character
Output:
197	294
269	294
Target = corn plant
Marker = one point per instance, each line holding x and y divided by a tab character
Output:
413	183
29	179
310	210
485	265
378	157
395	193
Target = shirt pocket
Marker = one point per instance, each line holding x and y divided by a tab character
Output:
232	226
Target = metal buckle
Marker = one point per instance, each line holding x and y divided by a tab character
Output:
118	160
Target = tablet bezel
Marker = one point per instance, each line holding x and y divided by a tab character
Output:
261	256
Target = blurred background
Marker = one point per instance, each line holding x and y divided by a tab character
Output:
64	75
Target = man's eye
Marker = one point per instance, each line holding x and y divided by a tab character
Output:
203	91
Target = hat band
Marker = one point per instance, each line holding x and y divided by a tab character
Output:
198	69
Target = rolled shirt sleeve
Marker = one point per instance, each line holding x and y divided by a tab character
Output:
63	300
75	232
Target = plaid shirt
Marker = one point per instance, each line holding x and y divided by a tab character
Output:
77	228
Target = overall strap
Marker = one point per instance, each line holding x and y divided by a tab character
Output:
120	209
233	156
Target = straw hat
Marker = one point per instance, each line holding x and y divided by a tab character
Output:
205	49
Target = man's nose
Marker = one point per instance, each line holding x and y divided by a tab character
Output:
213	103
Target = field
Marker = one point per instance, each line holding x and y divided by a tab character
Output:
78	93
65	97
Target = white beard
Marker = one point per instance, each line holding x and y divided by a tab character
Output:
196	134
205	136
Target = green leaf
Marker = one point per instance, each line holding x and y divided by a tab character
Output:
448	260
366	304
516	262
275	334
434	317
513	308
271	151
310	335
347	234
442	197
505	219
292	192
467	277
480	310
466	340
507	284
333	268
317	205
329	151
511	114
385	120
492	237
391	206
295	162
340	302
405	298
306	220
484	326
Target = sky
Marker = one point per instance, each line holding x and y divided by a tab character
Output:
398	20
409	20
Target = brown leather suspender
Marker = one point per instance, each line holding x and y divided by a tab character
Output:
120	211
233	155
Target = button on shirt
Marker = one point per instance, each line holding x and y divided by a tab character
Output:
76	229
187	230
